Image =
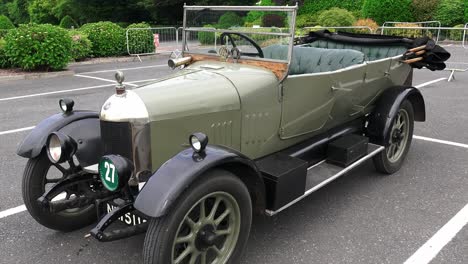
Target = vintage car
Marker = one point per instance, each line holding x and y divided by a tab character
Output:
251	124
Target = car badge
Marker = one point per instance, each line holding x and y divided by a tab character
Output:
120	87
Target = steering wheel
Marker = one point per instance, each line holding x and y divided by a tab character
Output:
230	34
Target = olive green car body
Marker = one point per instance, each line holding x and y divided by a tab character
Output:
248	109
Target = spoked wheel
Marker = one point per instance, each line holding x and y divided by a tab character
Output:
401	134
209	224
39	176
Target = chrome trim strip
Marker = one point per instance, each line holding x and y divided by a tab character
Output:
325	182
199	29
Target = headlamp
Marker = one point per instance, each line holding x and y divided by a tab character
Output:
66	105
60	147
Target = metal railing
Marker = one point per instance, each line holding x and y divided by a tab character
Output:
354	29
149	41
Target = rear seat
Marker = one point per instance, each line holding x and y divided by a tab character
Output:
314	60
372	52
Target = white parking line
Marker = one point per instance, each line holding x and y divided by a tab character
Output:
430	82
126	69
16	130
451	143
436	243
54	92
13	211
102	79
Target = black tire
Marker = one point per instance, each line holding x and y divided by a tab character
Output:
382	162
33	187
162	232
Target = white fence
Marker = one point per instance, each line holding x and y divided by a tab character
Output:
147	41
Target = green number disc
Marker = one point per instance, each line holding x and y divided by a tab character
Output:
108	173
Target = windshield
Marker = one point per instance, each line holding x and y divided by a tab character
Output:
254	31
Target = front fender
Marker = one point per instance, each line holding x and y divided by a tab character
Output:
176	175
387	106
82	126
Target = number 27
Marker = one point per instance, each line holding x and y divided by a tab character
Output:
110	167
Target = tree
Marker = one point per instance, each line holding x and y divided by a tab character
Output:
424	10
387	10
41	11
18	11
450	12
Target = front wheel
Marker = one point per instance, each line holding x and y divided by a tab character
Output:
40	175
401	133
209	223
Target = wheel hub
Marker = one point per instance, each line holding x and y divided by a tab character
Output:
206	238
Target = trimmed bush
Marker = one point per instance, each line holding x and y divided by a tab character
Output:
387	10
38	47
68	22
81	46
4	60
306	20
108	38
316	6
450	12
409	33
424	10
365	23
207	38
456	35
140	41
5	23
230	19
273	20
336	17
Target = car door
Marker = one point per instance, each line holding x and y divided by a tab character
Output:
307	102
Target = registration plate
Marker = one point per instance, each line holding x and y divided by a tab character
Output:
128	218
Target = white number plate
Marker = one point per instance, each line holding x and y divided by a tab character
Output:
128	218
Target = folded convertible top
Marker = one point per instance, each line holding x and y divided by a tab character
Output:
422	52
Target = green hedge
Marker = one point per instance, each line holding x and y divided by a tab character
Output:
38	47
108	38
424	10
81	47
312	7
4	60
456	35
450	12
387	10
207	38
336	17
5	25
140	41
230	19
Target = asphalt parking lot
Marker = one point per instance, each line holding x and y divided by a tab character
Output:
362	217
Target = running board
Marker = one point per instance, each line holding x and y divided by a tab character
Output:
322	173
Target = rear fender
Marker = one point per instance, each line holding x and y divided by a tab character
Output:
177	174
82	126
387	106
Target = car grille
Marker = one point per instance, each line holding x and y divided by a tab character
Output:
117	138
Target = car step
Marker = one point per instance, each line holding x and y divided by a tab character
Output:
322	173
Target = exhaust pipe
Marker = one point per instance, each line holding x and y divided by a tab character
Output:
174	63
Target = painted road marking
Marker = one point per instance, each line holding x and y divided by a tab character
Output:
436	243
102	79
430	82
16	130
54	92
446	142
126	69
13	211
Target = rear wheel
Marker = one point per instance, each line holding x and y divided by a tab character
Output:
401	134
40	175
209	223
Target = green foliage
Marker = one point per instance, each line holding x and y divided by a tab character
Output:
253	16
5	23
456	35
38	47
387	10
40	11
4	60
230	19
81	46
18	11
424	10
450	12
68	22
336	17
140	40
108	38
305	20
365	23
207	38
316	6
